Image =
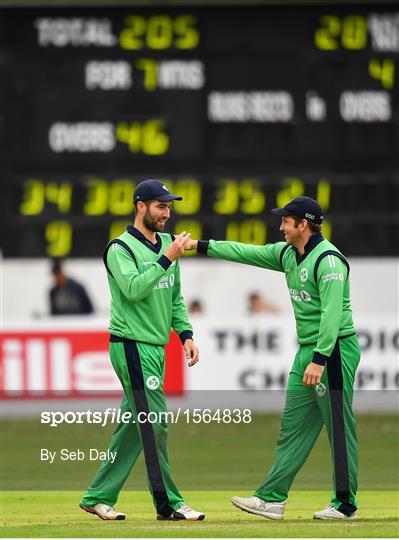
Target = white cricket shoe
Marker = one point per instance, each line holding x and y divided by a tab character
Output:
103	511
184	512
254	505
329	512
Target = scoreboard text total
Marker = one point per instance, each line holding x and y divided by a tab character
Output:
237	109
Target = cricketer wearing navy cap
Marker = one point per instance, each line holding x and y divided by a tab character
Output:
320	382
302	208
149	190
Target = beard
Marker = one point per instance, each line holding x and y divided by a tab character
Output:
150	223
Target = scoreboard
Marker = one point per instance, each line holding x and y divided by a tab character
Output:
238	109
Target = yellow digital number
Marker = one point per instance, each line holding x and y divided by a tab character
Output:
383	71
293	187
251	231
60	195
193	227
129	134
117	228
33	198
150	68
159	32
131	37
150	138
189	36
120	197
227	197
155	139
327	36
97	197
253	199
354	32
232	196
351	32
59	238
191	191
323	194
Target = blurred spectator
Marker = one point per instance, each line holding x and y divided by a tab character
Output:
257	304
67	296
195	307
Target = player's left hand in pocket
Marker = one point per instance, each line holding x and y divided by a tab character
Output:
192	352
312	375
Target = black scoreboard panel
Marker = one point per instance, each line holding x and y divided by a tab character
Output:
239	109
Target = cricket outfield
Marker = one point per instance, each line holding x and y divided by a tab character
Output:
211	463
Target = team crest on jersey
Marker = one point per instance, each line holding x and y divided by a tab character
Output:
321	389
152	382
304	274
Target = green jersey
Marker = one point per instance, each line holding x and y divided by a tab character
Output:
317	282
145	289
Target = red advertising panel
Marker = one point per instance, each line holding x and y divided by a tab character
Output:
70	364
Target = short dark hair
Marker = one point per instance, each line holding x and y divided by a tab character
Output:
314	227
147	203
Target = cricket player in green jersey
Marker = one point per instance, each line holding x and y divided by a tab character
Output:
144	280
320	384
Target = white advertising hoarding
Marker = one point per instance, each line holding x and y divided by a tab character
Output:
242	360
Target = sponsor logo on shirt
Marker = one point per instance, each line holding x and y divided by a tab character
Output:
165	282
152	382
332	277
299	296
305	296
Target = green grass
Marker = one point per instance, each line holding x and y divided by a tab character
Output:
56	515
210	464
219	457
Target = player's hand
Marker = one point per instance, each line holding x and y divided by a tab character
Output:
312	375
192	352
176	248
190	245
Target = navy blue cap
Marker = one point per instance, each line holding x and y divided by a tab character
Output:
302	208
148	190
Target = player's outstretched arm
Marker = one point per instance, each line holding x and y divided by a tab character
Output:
267	256
190	245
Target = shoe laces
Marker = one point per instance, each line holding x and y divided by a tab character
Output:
184	508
